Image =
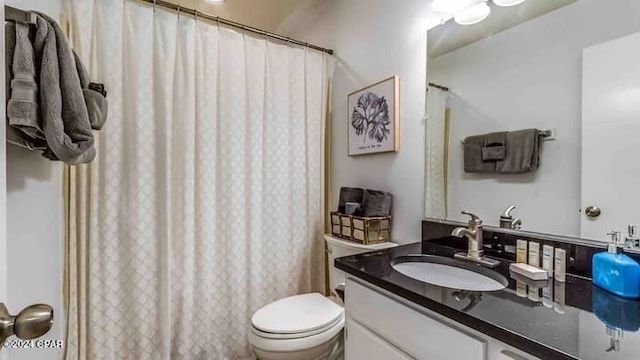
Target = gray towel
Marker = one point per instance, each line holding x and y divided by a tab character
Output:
473	162
494	146
65	118
376	203
57	110
523	152
15	135
22	107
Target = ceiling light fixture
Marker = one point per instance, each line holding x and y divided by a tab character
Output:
214	1
467	12
473	14
508	2
464	12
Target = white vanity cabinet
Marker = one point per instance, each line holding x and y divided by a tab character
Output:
383	326
364	344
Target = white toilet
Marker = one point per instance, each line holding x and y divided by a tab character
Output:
308	326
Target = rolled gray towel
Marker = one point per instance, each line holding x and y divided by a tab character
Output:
349	194
97	104
376	203
96	107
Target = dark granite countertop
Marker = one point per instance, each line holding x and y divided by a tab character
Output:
579	321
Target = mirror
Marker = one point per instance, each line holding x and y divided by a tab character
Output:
570	68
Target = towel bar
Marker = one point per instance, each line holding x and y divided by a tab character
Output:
547	135
14	14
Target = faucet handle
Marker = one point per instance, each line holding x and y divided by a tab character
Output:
507	212
475	219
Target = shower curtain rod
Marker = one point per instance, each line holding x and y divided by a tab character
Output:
14	14
199	14
443	88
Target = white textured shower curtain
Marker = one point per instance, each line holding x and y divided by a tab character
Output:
205	200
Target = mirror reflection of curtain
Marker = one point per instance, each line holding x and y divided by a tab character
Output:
437	140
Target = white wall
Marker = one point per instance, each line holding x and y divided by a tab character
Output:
528	76
373	40
35	230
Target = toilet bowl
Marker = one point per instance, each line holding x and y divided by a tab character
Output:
307	326
301	327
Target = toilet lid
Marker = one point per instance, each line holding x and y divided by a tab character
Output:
297	314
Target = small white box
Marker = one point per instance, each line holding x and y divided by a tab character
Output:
528	271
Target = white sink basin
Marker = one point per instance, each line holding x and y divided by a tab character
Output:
449	273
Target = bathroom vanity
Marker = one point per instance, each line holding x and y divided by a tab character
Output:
383	326
392	316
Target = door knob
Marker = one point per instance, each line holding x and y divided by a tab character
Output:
30	323
593	211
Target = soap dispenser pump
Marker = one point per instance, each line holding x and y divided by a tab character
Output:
616	272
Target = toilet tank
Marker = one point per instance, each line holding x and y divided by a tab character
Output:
337	247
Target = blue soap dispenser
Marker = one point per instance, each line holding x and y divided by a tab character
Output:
615	271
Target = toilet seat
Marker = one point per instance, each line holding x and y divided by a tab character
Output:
303	334
297	316
300	344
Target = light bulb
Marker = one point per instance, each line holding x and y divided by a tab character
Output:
473	15
508	2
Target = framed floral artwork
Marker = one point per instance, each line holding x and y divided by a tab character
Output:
374	118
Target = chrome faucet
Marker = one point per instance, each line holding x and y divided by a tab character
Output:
474	233
507	221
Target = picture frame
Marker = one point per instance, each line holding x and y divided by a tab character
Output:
373	118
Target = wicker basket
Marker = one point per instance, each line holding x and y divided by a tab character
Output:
363	230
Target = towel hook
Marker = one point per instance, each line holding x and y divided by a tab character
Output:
179	9
154	5
195	14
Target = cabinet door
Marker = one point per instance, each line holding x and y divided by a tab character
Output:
363	344
411	330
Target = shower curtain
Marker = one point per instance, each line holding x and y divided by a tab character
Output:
436	156
205	201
